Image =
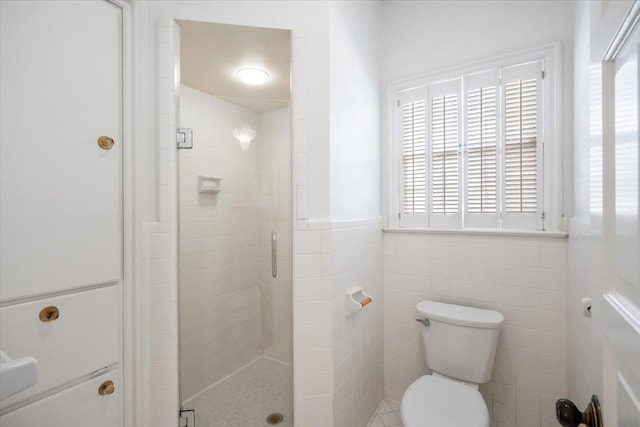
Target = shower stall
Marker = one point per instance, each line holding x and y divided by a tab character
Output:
234	190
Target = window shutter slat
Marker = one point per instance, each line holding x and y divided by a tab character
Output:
414	156
444	154
521	126
482	150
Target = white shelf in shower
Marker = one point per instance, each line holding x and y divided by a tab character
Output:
209	184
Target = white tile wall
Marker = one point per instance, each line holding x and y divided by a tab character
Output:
312	335
160	317
338	378
356	259
219	265
525	287
583	349
521	277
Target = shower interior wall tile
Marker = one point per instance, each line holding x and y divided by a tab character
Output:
524	278
219	280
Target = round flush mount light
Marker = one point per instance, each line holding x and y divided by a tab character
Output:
253	76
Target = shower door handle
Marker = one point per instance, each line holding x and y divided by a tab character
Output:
274	254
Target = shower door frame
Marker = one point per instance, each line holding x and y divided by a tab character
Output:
168	68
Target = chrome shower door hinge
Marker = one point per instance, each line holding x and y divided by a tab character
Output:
187	418
184	138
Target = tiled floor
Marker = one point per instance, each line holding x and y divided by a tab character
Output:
246	398
388	415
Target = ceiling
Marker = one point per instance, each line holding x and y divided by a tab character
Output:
211	55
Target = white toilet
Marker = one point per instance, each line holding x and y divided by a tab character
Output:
460	345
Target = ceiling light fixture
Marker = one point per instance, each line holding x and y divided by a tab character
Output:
253	76
244	135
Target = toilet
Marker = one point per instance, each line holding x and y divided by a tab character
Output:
460	346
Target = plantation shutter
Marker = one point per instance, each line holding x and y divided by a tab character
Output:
413	127
481	153
522	169
472	150
445	159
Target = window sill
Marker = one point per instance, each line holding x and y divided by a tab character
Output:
478	231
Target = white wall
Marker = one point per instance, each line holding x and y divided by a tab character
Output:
443	34
356	245
521	277
581	130
419	37
354	109
310	21
420	25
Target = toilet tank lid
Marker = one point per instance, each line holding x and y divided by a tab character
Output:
460	315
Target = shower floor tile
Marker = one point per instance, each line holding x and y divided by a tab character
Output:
246	398
387	415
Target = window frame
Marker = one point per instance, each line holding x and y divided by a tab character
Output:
550	154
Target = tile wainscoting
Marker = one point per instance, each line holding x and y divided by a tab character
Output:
524	278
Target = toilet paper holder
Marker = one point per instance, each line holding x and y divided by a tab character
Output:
356	299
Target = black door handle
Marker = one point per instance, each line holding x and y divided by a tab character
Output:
569	415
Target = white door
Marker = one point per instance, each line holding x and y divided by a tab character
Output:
61	84
620	285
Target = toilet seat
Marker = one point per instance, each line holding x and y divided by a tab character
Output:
432	401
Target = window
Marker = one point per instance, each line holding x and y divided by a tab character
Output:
414	156
472	148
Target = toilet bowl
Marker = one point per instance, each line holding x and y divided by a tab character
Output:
439	402
460	344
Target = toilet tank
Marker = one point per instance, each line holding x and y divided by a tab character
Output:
460	341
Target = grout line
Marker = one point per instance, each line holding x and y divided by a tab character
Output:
375	414
221	380
274	360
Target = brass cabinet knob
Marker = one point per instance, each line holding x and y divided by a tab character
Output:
105	142
49	314
106	388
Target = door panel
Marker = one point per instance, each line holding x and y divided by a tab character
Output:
61	84
61	214
83	339
626	164
620	287
78	406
